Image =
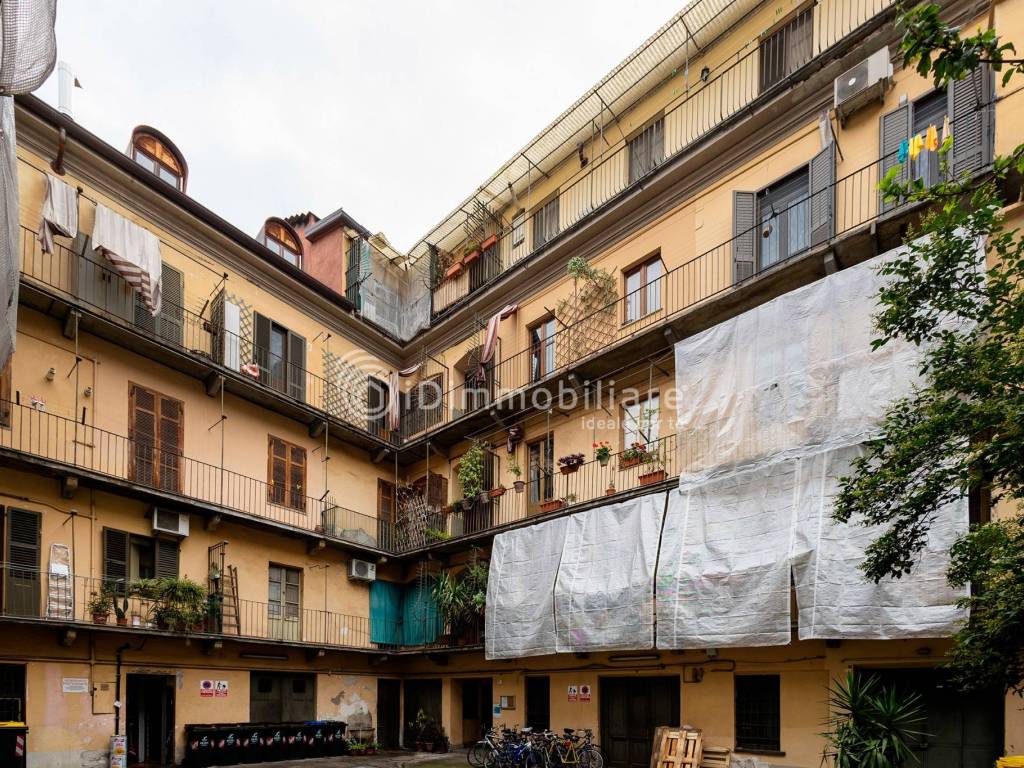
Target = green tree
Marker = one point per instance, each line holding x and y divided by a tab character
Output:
962	428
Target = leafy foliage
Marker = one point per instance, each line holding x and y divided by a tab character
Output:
471	470
962	429
870	726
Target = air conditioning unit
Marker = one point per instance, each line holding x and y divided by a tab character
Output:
174	523
862	84
361	570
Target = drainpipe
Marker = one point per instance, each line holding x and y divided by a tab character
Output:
117	688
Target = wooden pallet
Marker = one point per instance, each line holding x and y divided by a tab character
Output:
715	757
676	748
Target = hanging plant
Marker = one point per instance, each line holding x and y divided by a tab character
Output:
471	471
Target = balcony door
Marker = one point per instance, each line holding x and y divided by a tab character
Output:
283	604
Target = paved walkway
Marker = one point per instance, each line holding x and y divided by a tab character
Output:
455	759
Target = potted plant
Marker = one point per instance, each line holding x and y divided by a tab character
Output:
471	471
551	505
635	454
99	606
655	472
610	490
517	473
471	252
602	452
453	271
497	492
433	735
356	748
121	611
372	747
436	534
416	728
488	242
570	463
181	604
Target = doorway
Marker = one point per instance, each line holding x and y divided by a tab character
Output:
420	694
965	730
389	699
149	719
538	703
477	715
631	708
281	698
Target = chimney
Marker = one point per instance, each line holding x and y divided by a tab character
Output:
66	82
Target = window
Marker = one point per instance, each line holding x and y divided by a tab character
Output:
518	228
542	349
929	110
540	470
783	216
6	394
641	421
284	593
286	474
282	241
128	557
646	150
358	267
376	402
160	157
644	289
156	430
785	50
280	356
545	222
757	713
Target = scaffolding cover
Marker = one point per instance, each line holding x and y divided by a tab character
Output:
393	297
520	618
604	592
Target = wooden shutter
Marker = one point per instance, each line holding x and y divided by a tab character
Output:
168	324
894	129
170	449
386	504
261	346
156	430
743	207
296	366
115	556
970	111
822	189
142	431
98	284
6	394
352	274
277	470
166	557
22	594
297	477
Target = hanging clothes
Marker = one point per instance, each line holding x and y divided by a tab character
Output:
394	412
490	344
134	253
916	145
947	133
931	138
60	212
903	151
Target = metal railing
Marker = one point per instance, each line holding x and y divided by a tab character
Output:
165	470
92	283
702	109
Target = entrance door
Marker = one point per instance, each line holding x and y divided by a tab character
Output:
389	697
965	730
149	719
421	694
538	703
476	708
631	708
281	698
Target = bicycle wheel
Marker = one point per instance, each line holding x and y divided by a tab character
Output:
591	757
477	754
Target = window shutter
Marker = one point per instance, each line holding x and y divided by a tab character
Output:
23	578
115	556
743	204
6	394
296	366
169	323
166	566
352	273
278	470
170	446
261	345
297	477
822	189
970	114
142	431
894	128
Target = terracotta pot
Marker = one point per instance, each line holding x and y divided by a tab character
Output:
520	485
122	621
627	463
99	618
652	477
488	242
470	257
610	491
568	469
551	506
454	270
497	493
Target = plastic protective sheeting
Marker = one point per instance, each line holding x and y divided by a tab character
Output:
520	618
604	592
9	253
723	574
835	600
393	297
793	376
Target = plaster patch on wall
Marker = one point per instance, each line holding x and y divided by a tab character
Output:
86	758
353	703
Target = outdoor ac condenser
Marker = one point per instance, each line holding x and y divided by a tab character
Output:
166	521
863	83
361	570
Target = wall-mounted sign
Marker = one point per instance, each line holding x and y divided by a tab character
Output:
584	692
497	710
206	688
220	688
574	693
74	685
211	688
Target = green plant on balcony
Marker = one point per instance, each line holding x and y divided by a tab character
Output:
471	471
588	314
461	598
99	606
517	473
178	605
436	534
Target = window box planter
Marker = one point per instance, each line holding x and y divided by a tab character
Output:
570	463
627	463
552	505
453	271
488	242
650	478
470	257
568	469
497	493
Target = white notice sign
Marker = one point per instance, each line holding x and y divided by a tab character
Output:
74	684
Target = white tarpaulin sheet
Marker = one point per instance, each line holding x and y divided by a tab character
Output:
834	598
520	618
604	593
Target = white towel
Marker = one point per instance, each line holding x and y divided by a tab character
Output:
134	252
60	212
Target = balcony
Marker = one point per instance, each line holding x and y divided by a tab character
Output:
756	75
83	291
64	447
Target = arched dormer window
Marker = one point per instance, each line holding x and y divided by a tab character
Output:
282	240
158	155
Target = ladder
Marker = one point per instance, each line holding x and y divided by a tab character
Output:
229	607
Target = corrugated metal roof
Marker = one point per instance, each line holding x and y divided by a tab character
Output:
659	57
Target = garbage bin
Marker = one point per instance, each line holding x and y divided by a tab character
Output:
13	743
250	743
336	742
226	751
199	745
297	741
316	738
275	746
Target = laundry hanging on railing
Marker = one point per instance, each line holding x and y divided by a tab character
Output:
394	411
134	253
490	344
60	212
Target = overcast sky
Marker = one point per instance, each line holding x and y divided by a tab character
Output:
395	110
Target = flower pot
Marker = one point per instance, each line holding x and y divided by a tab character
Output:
568	469
136	620
470	257
484	497
453	271
627	463
447	509
551	506
603	460
610	491
99	618
371	751
488	242
497	493
430	746
520	485
652	477
122	621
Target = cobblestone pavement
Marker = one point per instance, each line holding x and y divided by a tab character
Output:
455	759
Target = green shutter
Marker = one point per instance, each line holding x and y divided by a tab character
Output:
166	559
115	556
22	594
385	613
894	129
743	207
